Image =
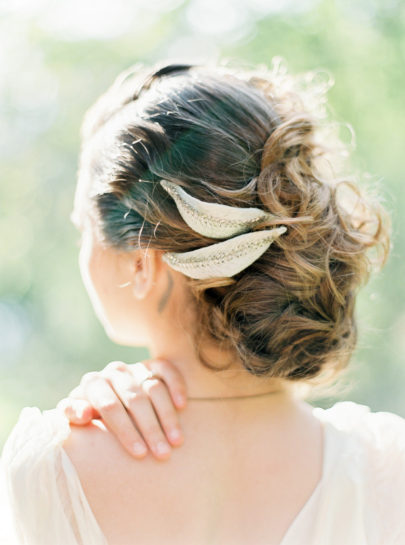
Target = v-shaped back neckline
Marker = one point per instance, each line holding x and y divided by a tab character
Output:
291	535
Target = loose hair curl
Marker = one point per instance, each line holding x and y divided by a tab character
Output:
242	137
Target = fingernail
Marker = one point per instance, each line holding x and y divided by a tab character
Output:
162	448
79	408
175	434
139	448
180	400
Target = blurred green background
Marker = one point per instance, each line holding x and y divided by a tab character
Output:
55	60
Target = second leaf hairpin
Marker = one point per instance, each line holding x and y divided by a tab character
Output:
230	256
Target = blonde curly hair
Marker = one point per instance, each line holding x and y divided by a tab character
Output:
257	137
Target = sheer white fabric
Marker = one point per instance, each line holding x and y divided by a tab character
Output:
359	501
361	497
46	498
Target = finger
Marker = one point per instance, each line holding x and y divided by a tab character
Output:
163	406
141	410
77	411
171	376
115	365
125	386
101	395
145	417
77	403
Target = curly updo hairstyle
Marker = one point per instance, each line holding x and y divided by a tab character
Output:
249	138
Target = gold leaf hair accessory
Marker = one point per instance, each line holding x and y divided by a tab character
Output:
214	220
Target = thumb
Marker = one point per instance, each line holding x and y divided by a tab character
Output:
78	411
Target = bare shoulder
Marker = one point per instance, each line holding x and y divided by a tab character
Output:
94	452
207	483
109	476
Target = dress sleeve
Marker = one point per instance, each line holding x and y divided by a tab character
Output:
45	496
7	532
387	475
380	460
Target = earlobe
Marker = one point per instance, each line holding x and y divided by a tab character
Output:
138	285
144	274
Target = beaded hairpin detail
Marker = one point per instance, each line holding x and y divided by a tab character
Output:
214	220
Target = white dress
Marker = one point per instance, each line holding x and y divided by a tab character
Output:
360	499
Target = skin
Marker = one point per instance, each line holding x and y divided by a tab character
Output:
247	467
141	301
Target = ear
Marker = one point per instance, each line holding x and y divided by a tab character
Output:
144	272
